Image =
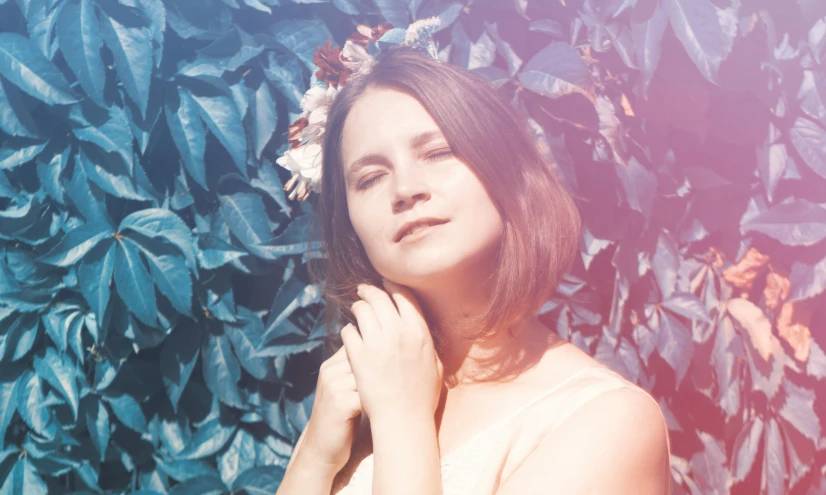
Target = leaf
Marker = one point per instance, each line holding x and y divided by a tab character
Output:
214	253
263	118
706	32
220	114
247	219
259	479
12	157
221	370
209	438
31	405
156	12
95	277
774	461
295	239
78	33
170	275
246	340
159	223
59	372
799	410
183	470
15	119
795	222
302	37
647	38
239	457
23	479
756	323
97	424
22	64
772	160
202	485
178	357
394	11
555	71
285	73
807	281
745	448
687	305
128	411
674	344
131	47
108	174
113	136
76	244
134	286
809	139
187	132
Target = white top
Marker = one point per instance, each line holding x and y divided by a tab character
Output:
480	464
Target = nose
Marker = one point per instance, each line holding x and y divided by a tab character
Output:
410	187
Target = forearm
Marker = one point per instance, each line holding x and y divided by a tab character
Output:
306	476
405	457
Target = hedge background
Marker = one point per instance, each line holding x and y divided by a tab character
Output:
157	332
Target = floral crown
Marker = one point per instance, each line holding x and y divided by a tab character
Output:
335	66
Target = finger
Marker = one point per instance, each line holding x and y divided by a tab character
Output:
368	324
408	306
383	306
352	343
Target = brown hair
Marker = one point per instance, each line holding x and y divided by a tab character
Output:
541	221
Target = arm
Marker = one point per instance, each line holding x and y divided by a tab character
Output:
306	475
405	456
616	443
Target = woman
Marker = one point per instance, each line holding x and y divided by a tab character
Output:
438	209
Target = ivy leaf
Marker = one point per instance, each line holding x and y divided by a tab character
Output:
97	424
95	277
774	461
648	36
745	448
78	33
674	344
178	356
221	116
807	281
245	340
59	372
239	457
809	139
22	64
706	32
221	370
159	223
15	119
133	283
76	244
208	439
555	71
23	478
131	47
687	305
247	219
128	411
187	132
795	222
799	410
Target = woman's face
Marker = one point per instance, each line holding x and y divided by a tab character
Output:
399	168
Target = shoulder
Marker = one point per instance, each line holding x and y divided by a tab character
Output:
616	442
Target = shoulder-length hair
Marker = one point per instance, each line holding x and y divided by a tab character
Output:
540	218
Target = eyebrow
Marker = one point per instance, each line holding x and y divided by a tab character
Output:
416	143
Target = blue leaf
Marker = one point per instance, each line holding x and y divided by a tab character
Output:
159	223
20	336
263	118
187	132
177	360
285	73
214	253
221	370
8	406
97	424
245	341
260	479
247	219
95	277
156	12
131	48
268	182
183	470
132	281
128	411
239	456
75	244
292	295
87	198
50	175
103	171
394	11
221	116
557	70
15	119
60	319
59	372
294	240
13	156
705	31
78	33
113	136
202	485
26	67
171	276
302	37
31	405
23	479
210	437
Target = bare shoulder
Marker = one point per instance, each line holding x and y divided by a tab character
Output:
617	442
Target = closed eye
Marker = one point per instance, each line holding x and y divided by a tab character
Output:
440	155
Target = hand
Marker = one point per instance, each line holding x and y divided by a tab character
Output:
397	370
332	425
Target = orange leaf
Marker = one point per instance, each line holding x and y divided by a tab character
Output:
755	322
742	274
793	325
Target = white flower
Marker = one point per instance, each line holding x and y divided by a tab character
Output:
318	97
353	55
304	160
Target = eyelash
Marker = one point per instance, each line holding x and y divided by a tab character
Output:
443	154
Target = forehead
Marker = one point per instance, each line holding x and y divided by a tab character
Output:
383	116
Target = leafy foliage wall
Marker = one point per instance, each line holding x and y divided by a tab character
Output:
157	329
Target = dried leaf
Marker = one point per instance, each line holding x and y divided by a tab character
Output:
776	291
742	274
755	322
793	325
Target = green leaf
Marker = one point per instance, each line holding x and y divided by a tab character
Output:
22	64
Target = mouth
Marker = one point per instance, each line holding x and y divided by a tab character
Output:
411	229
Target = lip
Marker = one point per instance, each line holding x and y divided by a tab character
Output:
415	223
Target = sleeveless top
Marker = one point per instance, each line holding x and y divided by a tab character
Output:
481	463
